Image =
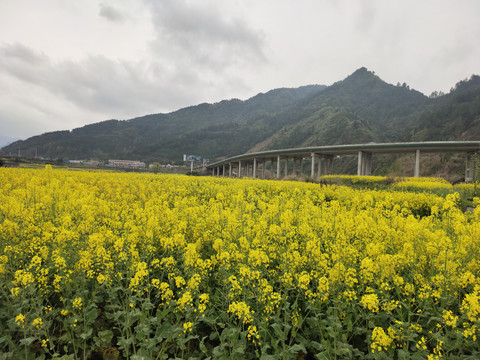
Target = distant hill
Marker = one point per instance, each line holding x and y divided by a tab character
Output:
210	130
359	109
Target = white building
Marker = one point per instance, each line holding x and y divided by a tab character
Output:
132	164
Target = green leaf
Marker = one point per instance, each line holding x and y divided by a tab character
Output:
219	352
138	357
105	336
316	345
322	355
117	315
125	342
268	357
91	315
348	322
402	355
296	348
229	333
142	331
281	332
331	331
238	350
87	334
202	346
28	341
213	335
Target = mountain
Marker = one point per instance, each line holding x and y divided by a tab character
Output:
359	109
455	116
205	129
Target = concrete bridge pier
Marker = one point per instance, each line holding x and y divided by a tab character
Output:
364	167
297	166
254	175
325	165
416	171
471	168
278	167
314	159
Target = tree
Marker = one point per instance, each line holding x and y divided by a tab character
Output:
156	167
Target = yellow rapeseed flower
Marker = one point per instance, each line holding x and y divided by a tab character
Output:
20	319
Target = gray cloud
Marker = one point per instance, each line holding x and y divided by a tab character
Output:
23	62
95	88
95	83
203	37
111	13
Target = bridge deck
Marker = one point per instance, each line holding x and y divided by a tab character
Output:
321	157
429	146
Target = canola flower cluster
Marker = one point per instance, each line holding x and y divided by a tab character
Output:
426	184
156	266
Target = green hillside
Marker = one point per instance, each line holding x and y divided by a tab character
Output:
359	109
204	129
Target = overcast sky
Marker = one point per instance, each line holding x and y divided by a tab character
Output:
64	64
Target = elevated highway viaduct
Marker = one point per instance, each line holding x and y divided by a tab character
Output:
320	157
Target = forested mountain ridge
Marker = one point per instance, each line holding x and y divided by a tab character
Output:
163	137
359	109
455	116
362	108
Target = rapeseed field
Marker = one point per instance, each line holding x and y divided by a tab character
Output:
135	266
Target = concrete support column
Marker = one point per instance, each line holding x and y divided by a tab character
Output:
264	163
223	173
471	169
364	163
322	161
239	168
301	167
286	166
229	169
218	170
294	166
360	163
416	172
468	168
368	164
247	169
328	165
278	167
254	168
314	157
